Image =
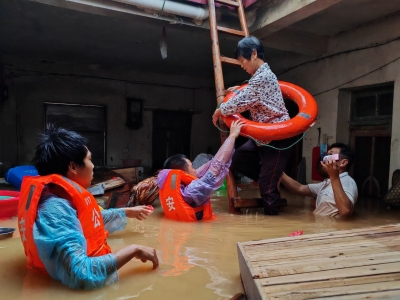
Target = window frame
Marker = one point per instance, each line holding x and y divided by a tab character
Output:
103	131
356	121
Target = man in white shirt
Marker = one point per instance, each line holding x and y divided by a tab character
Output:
336	195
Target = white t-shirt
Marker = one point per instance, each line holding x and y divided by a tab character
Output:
325	200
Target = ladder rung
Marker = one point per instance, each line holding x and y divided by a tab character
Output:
230	60
228	2
231	31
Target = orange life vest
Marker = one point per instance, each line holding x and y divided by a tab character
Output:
88	211
174	206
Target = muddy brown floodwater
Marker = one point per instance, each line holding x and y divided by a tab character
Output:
197	260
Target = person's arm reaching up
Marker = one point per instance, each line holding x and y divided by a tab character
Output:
200	190
203	169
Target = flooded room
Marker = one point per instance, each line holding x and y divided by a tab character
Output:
199	149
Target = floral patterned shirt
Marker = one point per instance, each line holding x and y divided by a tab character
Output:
262	97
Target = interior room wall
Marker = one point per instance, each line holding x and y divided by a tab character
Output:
33	82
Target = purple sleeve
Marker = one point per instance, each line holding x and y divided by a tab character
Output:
203	169
201	189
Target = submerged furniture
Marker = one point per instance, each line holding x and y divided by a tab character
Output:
392	197
14	176
8	204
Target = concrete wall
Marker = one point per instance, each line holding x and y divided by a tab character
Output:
327	78
34	82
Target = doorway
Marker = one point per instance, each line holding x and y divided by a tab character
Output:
371	166
370	137
171	135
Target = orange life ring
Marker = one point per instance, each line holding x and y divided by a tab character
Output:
308	111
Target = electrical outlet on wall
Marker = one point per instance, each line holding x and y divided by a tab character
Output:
125	150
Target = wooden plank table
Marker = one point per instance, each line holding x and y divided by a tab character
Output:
351	264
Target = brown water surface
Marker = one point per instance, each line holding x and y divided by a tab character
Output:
197	260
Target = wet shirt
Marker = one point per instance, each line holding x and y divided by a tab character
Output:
262	97
210	176
325	199
61	244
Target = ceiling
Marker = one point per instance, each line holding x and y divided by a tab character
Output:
30	29
35	30
346	15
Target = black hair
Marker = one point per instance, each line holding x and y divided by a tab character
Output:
56	149
345	152
177	161
247	45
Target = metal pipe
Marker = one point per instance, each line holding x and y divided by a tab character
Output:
102	7
170	7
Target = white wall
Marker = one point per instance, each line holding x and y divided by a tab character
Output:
323	75
22	117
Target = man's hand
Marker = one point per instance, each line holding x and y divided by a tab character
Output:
331	167
343	202
235	128
216	116
140	212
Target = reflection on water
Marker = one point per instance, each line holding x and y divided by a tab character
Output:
197	260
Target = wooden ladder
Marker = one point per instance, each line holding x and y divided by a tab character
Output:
219	77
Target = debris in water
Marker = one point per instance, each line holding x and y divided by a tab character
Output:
300	232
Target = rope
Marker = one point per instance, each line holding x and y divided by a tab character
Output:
267	145
162	8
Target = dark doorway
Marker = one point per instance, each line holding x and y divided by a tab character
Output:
371	166
370	124
171	135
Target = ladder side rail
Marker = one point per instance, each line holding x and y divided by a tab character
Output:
220	93
242	18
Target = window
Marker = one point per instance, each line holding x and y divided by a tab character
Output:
88	120
372	106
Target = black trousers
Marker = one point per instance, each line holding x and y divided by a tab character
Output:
264	165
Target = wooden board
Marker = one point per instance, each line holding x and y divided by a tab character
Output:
351	264
130	174
247	203
113	183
